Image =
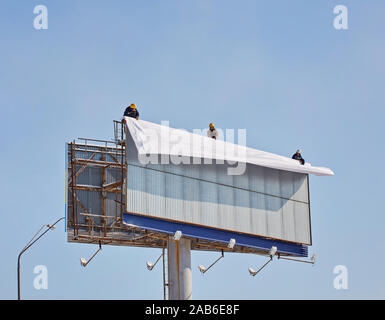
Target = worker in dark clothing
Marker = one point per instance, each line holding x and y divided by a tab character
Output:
298	156
132	112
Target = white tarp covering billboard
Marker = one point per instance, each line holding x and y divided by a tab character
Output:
151	138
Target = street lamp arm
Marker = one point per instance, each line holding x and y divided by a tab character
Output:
30	244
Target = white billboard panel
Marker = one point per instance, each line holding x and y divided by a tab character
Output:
263	201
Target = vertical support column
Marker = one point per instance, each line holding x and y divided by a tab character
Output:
103	193
73	190
123	149
164	273
179	270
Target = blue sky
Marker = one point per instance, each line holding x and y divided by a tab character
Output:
277	68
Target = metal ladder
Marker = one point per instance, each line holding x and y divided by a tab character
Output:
118	132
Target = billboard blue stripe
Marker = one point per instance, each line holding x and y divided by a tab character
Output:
212	234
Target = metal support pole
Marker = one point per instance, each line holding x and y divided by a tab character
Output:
122	171
89	260
297	260
179	270
271	259
164	274
222	256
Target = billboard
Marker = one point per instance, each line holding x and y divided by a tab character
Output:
136	192
268	201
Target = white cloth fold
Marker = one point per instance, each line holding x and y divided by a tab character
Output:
151	138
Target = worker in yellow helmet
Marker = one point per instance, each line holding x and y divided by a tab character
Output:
212	132
132	112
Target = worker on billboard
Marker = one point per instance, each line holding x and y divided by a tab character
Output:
212	132
298	156
132	112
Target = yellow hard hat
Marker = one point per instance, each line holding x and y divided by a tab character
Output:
211	125
133	106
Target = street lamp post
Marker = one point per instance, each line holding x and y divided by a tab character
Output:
29	244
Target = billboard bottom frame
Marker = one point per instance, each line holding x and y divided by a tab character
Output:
215	235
